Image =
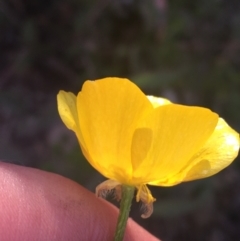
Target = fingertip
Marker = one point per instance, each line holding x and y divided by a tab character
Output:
39	205
135	232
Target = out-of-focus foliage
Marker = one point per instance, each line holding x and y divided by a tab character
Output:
185	50
72	40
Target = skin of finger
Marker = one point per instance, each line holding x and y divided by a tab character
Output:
38	205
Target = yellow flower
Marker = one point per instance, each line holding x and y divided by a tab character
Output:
135	139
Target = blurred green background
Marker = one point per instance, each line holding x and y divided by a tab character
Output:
187	51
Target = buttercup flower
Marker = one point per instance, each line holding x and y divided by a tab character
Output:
134	139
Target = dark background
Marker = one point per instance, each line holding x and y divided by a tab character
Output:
187	51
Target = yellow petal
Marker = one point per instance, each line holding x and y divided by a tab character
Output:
218	152
175	133
108	112
158	101
67	109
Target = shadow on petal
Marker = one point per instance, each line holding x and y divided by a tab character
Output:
199	170
141	144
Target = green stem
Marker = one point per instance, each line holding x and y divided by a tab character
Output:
125	205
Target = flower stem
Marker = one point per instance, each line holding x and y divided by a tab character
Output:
125	205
